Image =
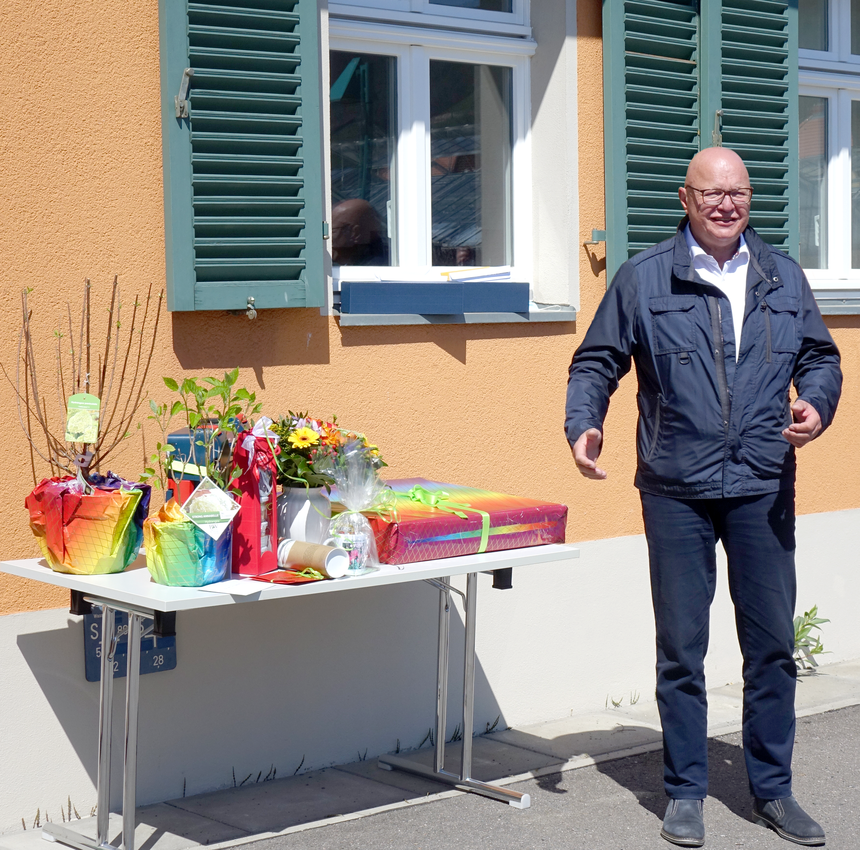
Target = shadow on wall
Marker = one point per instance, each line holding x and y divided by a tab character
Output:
290	684
219	340
451	338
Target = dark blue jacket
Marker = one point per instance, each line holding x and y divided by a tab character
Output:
708	427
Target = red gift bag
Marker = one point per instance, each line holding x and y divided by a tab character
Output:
255	531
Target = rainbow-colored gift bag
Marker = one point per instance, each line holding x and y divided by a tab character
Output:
180	554
88	533
434	520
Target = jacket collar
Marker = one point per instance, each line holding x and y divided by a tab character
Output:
760	257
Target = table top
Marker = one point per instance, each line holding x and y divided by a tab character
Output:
135	588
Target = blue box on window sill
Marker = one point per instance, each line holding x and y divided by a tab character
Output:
433	299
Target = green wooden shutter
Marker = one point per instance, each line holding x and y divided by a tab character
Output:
668	69
242	173
651	119
759	110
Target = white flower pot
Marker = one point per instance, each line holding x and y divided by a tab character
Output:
303	514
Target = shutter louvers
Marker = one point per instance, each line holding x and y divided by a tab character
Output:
758	108
652	56
253	143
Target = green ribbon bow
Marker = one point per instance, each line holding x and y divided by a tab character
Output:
441	500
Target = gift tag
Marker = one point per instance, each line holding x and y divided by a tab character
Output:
82	418
210	508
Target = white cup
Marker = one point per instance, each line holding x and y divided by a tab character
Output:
331	561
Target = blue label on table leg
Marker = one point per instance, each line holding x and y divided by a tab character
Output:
156	653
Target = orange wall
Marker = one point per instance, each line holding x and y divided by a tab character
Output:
81	195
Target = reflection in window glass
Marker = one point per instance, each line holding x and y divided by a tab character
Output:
855	27
470	171
362	159
486	5
812	24
812	144
855	184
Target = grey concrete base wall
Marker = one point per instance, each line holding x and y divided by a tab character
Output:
301	684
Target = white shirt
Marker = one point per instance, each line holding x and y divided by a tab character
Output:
731	278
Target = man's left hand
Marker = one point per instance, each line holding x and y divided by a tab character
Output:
806	426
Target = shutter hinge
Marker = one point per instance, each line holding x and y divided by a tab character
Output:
325	230
181	100
717	136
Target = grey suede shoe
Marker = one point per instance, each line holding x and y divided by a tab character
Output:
788	820
684	824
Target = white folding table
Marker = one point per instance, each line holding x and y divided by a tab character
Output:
134	593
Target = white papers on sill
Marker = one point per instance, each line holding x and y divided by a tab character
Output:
428	274
488	273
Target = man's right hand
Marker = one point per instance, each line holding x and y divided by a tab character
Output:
586	450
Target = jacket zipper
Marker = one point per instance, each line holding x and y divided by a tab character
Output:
768	355
720	359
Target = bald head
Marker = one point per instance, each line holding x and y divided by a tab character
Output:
707	164
356	233
717	228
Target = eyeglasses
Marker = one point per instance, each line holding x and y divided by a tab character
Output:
740	197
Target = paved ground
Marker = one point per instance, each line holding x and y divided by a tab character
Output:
594	783
619	804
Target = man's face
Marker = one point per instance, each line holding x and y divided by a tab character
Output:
716	228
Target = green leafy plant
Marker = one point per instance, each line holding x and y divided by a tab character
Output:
214	411
158	464
806	644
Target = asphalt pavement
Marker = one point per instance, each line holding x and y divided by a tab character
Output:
594	782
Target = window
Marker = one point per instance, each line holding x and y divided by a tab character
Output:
829	150
429	129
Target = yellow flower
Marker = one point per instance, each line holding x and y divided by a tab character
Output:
301	438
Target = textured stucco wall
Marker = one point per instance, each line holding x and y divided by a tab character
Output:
81	194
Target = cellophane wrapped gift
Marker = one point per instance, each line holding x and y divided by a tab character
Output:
354	467
255	532
180	554
436	520
88	533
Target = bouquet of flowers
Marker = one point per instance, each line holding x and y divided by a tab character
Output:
305	443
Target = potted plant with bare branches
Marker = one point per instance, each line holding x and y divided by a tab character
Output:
85	522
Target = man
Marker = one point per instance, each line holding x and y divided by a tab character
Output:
357	235
719	325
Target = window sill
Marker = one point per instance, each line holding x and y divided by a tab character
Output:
838	302
542	313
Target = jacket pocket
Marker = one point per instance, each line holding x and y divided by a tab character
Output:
782	326
655	436
672	323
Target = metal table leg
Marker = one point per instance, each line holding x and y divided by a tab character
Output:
438	773
132	701
110	638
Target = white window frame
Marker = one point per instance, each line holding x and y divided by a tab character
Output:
514	22
839	40
413	197
839	90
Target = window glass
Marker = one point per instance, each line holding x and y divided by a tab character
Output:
855	27
486	5
812	144
812	23
855	184
363	145
470	175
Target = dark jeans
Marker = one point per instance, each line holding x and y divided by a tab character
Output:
758	536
